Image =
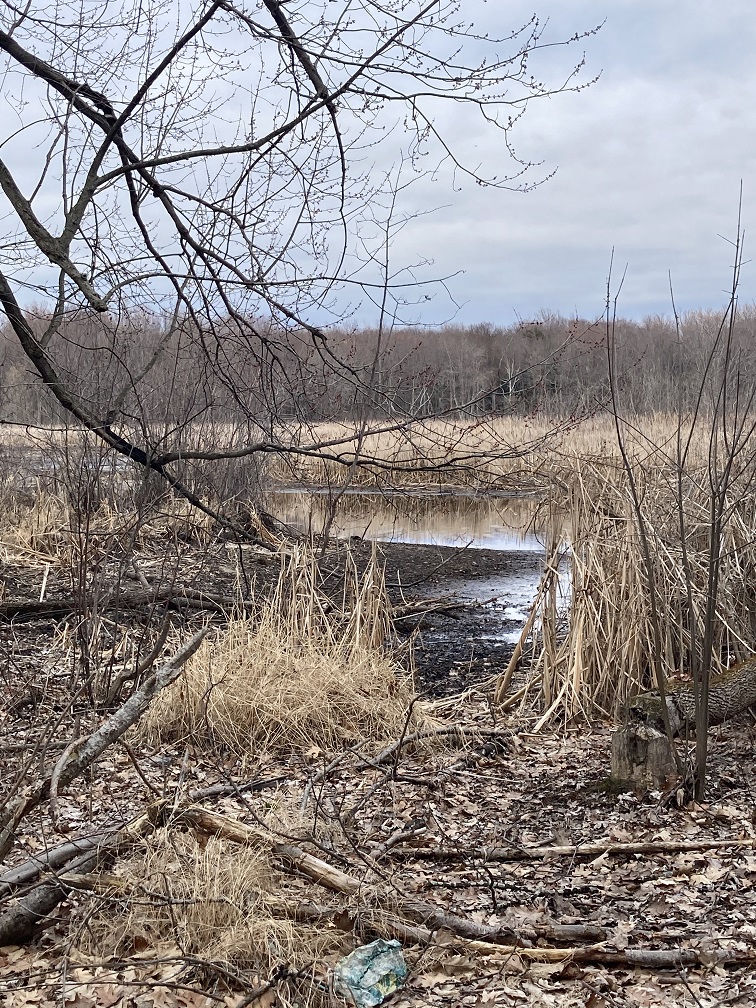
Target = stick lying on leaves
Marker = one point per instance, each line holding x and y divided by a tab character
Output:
76	758
456	931
411	921
488	854
176	597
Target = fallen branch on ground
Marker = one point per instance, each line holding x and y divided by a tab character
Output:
424	923
50	860
469	935
449	924
174	596
313	867
579	850
387	754
76	760
449	731
28	913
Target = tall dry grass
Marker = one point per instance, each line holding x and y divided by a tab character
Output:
512	453
600	648
43	524
305	672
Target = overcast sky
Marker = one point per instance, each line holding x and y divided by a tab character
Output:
649	159
648	162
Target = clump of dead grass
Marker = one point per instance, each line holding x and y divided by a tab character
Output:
304	673
190	899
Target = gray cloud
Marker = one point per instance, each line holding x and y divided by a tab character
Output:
649	160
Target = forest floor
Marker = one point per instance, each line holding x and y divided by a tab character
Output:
423	826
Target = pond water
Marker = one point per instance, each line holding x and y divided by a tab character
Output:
512	525
442	519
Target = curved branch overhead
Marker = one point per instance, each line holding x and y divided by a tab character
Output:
207	186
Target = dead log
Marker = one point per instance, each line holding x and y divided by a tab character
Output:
28	913
648	958
435	919
568	932
174	596
313	867
643	756
730	693
50	860
424	606
504	680
452	931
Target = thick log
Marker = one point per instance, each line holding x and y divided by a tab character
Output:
730	693
28	915
50	860
436	919
641	754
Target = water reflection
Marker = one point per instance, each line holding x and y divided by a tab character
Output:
497	523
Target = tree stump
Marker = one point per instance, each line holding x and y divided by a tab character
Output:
643	757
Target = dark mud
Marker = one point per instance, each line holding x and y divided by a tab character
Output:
483	597
477	602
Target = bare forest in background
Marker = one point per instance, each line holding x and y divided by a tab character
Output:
552	365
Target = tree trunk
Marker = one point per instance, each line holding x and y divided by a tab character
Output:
643	757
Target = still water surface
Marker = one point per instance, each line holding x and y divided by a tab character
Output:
499	523
508	524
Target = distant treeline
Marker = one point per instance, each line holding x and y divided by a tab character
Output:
263	373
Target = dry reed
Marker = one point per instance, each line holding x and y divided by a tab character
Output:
520	452
303	673
601	648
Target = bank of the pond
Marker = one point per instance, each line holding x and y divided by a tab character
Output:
484	597
478	601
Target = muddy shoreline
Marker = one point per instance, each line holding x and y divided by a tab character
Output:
465	644
467	638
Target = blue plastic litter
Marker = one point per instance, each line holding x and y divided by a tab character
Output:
370	973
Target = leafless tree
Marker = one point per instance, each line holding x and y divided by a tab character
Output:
217	175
